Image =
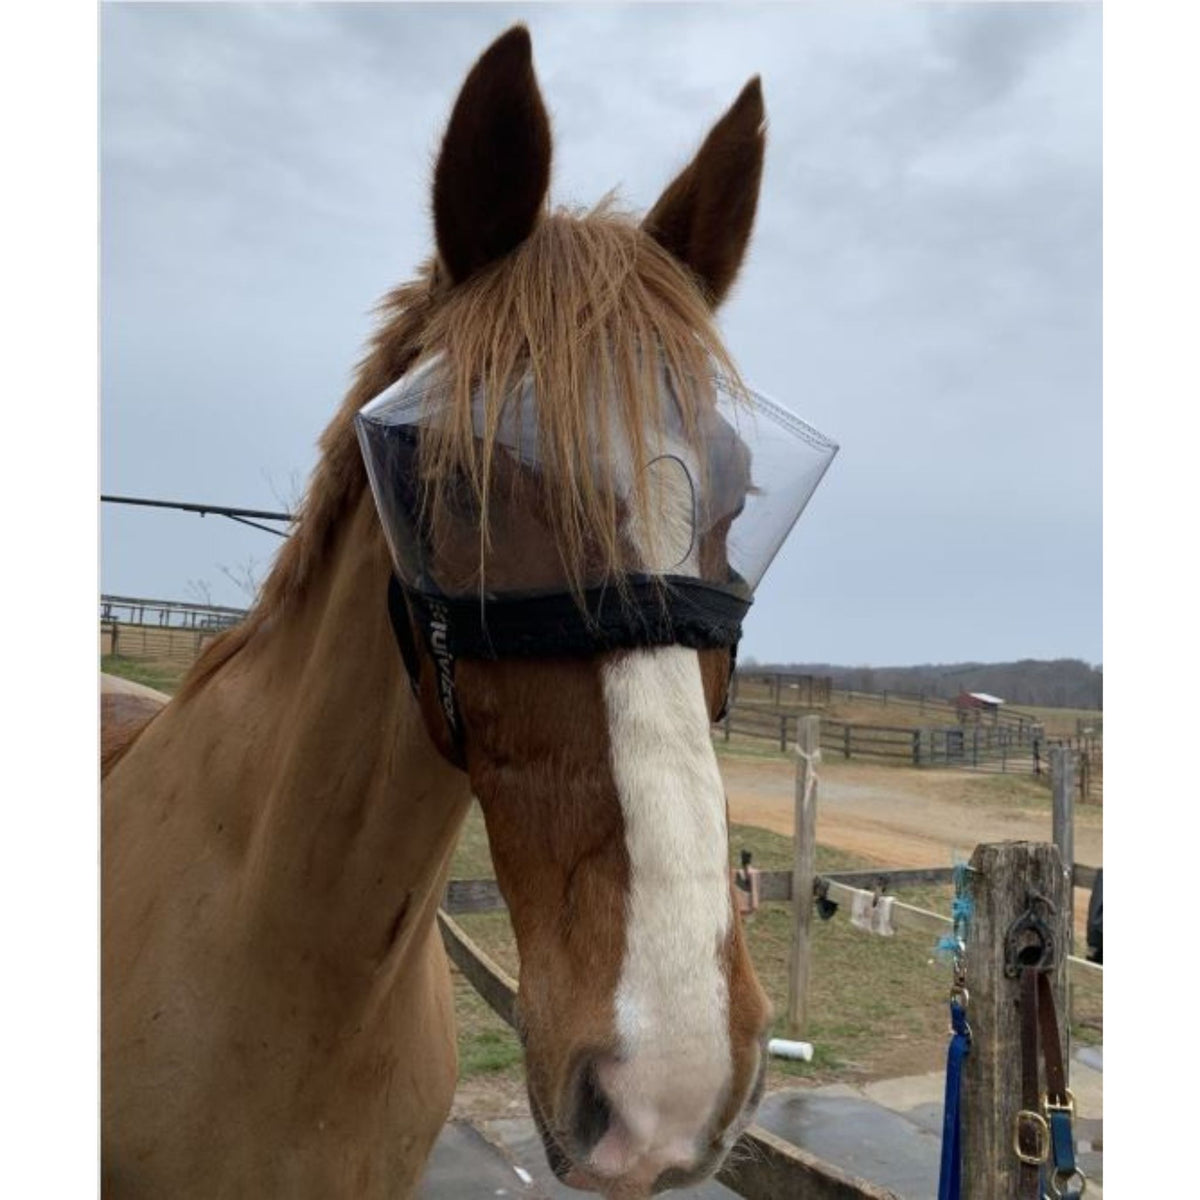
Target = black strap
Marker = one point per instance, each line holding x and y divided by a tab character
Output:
672	610
667	611
402	628
438	641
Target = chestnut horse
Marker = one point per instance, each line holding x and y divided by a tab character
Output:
277	1015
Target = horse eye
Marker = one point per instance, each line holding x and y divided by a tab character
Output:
460	497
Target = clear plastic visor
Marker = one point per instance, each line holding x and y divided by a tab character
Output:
722	500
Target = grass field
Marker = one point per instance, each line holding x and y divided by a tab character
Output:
163	676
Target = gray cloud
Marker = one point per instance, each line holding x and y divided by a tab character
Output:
924	281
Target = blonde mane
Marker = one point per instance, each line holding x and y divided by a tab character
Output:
575	307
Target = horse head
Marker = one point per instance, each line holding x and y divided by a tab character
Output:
563	456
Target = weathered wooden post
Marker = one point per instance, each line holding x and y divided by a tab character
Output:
1062	782
1006	879
804	845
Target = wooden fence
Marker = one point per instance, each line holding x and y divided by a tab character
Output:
153	643
167	631
179	614
781	689
1000	749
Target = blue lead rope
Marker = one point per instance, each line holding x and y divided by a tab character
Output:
950	1180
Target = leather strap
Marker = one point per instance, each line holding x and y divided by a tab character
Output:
1056	1075
1045	1129
1032	1134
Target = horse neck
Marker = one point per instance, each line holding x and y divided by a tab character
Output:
349	814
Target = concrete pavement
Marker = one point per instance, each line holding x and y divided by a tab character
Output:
887	1132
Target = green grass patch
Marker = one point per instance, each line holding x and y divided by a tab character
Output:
741	746
162	676
489	1052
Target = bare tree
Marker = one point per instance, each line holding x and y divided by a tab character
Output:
199	590
245	577
288	495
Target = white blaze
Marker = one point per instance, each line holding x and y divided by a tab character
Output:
672	1001
673	1067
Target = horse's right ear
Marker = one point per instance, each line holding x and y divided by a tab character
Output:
494	167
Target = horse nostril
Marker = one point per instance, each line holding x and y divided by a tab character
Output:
593	1113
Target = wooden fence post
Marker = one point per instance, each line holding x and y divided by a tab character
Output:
783	733
804	843
1003	876
1062	782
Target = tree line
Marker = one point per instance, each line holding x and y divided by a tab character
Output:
1057	683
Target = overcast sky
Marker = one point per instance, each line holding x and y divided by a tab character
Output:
924	282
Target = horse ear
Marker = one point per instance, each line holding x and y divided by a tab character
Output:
494	167
704	218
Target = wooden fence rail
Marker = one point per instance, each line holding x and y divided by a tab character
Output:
983	748
463	896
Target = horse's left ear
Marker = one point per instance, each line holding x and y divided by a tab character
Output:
704	218
494	167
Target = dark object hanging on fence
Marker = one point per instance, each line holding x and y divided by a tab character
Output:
1095	920
825	907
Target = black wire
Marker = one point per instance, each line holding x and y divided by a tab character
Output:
218	510
255	525
221	510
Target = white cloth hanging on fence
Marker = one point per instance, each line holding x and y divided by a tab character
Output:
872	913
881	916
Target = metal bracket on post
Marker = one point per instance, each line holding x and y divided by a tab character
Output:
1029	940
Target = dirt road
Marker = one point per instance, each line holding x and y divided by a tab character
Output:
902	817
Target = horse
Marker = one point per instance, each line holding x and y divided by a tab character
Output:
277	1016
